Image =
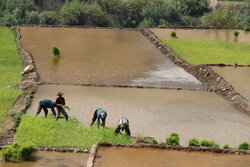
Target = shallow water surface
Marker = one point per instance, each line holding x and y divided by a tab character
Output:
155	112
238	77
223	35
53	159
124	157
101	57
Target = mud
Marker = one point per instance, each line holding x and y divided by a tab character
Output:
50	159
156	113
225	35
124	157
211	81
99	56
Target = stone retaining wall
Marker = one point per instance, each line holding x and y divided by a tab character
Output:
212	82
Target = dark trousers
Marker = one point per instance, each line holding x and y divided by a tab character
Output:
61	110
45	109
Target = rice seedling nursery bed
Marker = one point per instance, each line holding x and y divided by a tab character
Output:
198	52
51	133
10	68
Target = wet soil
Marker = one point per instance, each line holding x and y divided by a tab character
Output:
101	57
238	77
154	112
49	159
224	35
131	157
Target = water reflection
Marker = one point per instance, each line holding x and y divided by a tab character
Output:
55	61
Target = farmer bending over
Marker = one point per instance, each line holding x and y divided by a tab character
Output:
60	101
99	114
123	125
45	104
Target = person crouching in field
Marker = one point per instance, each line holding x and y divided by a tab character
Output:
99	114
60	101
123	125
45	104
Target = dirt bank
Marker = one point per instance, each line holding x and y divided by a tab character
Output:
211	80
28	85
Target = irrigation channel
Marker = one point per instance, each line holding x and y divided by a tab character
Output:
124	157
102	57
224	35
155	112
45	159
126	58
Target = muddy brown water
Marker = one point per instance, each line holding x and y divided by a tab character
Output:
156	113
124	157
224	35
238	77
53	159
102	57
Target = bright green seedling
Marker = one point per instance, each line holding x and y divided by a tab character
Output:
19	152
173	34
246	28
173	140
236	34
206	143
194	142
243	146
226	146
56	51
66	107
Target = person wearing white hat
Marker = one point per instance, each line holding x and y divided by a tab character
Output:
123	125
99	115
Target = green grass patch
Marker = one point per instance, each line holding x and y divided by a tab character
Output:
10	68
198	52
51	133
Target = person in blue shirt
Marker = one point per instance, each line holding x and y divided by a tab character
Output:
99	114
45	104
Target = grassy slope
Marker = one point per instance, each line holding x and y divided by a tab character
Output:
10	68
51	133
210	52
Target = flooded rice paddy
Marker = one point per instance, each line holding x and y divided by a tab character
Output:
238	77
124	157
102	57
156	113
224	35
53	159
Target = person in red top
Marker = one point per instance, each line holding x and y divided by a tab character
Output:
60	101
